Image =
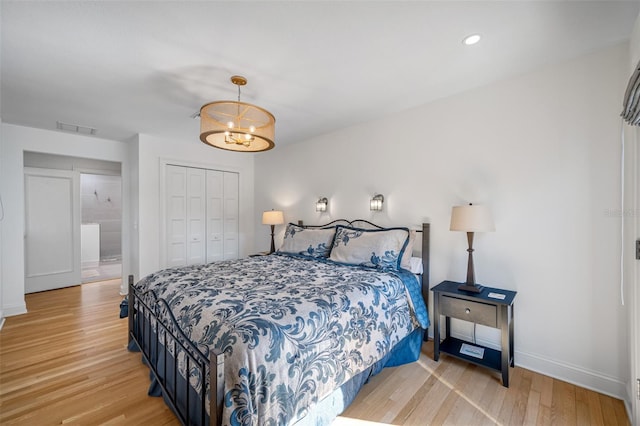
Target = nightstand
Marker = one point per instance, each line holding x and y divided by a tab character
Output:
488	308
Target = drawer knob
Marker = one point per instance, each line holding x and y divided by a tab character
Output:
467	311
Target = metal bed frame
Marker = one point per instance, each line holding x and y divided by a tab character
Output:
163	358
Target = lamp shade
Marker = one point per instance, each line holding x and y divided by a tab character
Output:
471	218
237	126
272	217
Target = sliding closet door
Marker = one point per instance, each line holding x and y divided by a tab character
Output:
185	212
231	215
196	221
201	215
176	215
215	219
52	229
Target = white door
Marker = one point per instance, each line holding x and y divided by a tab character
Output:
185	215
201	214
231	214
176	210
196	220
215	199
52	229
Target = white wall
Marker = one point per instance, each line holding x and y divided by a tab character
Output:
632	226
151	152
16	140
1	221
542	151
1	208
134	207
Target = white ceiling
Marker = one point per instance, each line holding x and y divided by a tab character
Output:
147	66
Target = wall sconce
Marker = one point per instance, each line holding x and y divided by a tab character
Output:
321	204
376	202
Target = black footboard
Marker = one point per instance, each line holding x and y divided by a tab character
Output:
167	352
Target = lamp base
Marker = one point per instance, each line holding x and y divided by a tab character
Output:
471	288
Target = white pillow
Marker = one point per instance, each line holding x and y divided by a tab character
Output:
374	248
309	242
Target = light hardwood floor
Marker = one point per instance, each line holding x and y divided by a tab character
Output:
65	362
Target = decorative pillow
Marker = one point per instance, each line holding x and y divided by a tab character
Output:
374	248
310	242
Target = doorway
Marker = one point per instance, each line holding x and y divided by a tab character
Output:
101	229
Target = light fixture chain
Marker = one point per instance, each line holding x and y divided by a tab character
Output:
238	108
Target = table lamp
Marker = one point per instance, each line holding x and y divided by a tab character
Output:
471	219
273	218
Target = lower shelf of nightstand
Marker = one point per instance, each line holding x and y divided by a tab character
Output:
492	358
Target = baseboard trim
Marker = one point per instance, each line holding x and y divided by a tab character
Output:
10	311
570	373
574	374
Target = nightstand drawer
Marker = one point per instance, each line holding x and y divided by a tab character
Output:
467	310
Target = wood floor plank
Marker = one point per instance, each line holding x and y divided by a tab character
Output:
65	362
595	410
447	414
533	408
521	398
418	396
582	407
563	406
508	403
469	403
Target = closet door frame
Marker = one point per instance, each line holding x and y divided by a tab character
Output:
164	162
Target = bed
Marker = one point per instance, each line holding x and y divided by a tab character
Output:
287	338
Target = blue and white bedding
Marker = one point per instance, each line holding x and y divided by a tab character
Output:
292	329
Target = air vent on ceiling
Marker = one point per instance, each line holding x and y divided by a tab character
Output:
76	128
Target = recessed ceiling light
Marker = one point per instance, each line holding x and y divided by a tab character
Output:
472	39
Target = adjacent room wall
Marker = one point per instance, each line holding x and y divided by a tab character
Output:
101	203
16	140
543	152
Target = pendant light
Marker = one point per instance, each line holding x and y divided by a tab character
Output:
237	126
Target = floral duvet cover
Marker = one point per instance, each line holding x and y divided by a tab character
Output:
292	329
